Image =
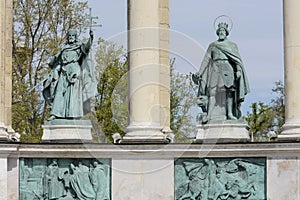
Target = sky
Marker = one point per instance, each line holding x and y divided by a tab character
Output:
257	29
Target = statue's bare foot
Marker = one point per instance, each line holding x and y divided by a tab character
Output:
51	118
231	117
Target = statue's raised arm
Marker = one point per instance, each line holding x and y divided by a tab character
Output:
65	90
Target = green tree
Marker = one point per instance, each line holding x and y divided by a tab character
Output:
111	108
260	120
183	98
278	106
39	28
264	118
111	111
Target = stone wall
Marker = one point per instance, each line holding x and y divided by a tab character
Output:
147	172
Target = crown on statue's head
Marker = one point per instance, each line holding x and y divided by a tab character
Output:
223	25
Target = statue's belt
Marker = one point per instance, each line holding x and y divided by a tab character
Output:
221	61
70	62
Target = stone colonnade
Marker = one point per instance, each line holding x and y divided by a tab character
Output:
6	10
148	104
149	90
148	24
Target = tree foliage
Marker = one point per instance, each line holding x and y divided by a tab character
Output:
39	28
183	98
260	121
264	118
111	108
278	105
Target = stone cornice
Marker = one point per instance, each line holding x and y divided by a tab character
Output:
151	150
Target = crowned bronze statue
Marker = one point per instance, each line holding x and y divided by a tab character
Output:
222	80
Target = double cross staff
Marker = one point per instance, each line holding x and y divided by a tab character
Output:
90	23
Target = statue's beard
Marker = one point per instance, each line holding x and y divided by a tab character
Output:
222	37
71	40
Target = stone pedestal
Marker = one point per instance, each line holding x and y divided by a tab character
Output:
226	132
67	131
4	136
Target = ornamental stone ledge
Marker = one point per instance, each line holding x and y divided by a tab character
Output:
151	151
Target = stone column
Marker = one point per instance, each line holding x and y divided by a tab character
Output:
6	9
291	128
164	60
144	72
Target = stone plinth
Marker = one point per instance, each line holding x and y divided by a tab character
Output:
148	133
4	136
67	131
291	131
227	132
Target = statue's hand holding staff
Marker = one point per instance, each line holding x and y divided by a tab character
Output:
91	34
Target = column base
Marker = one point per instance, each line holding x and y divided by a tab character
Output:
230	131
291	131
144	133
7	134
67	131
4	136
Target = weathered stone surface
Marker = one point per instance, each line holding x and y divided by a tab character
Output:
149	169
3	176
145	179
223	132
67	131
285	172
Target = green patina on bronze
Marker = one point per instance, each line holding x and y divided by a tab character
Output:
71	83
220	178
64	179
222	80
